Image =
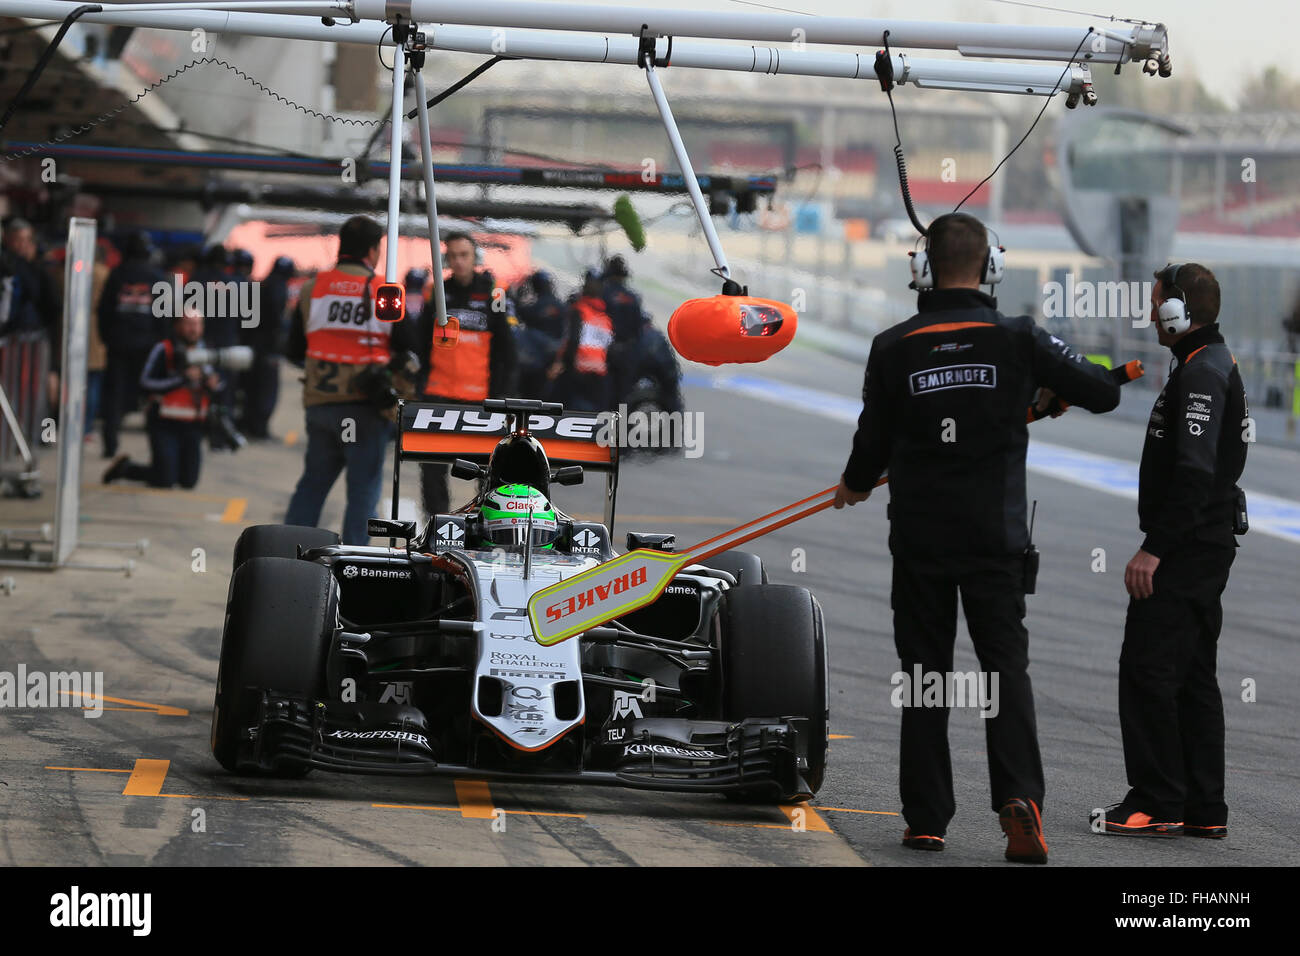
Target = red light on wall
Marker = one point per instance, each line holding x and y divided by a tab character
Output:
731	328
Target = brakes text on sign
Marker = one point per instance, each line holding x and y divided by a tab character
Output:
597	593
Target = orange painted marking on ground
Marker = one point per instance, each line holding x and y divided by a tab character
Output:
162	710
812	822
475	799
840	736
883	813
291	438
234	512
147	778
411	806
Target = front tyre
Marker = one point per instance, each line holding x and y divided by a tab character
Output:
280	624
773	657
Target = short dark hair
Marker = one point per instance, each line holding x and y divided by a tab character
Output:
1196	286
358	236
958	247
451	237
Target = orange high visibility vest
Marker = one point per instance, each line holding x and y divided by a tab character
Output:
183	403
463	373
341	323
594	337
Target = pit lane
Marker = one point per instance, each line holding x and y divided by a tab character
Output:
130	782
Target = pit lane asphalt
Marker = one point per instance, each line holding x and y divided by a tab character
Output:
156	635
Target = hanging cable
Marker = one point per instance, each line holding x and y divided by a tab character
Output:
46	56
1046	102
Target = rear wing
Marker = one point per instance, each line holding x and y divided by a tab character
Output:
438	432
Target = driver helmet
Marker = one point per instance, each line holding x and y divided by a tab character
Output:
504	514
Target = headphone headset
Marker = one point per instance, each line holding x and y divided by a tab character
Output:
991	272
1173	314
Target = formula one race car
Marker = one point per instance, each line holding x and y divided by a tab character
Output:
420	658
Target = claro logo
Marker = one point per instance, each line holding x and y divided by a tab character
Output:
599	592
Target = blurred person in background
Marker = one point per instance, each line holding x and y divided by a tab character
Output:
349	390
180	397
543	321
416	285
261	383
483	364
129	330
44	310
625	312
581	369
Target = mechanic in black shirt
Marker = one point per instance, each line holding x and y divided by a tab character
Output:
1170	709
944	409
129	329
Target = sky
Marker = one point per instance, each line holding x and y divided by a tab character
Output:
1260	32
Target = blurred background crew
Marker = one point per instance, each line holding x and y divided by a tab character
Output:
261	383
348	390
44	310
625	313
543	321
180	394
416	284
483	364
129	330
581	370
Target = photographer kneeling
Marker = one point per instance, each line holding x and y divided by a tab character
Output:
181	392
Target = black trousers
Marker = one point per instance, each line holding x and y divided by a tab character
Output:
924	599
176	453
1170	709
121	392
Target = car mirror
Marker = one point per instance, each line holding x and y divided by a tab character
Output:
569	475
460	468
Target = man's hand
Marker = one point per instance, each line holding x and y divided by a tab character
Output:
1045	396
844	495
1139	574
193	375
214	382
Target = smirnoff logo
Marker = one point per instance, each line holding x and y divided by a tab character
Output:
598	592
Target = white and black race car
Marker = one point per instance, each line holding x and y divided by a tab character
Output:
420	658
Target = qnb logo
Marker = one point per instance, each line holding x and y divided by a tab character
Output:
76	909
360	571
600	592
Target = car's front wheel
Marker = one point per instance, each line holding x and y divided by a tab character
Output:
773	662
280	622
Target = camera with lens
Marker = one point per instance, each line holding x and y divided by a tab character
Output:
232	358
376	383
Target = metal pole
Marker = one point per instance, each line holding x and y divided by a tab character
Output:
431	202
688	171
395	162
970	39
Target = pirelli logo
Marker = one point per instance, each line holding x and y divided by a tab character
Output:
953	376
